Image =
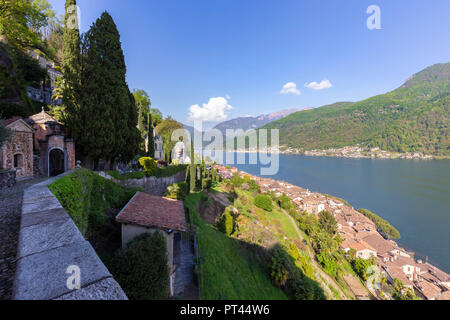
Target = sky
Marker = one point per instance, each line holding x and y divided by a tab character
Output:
215	60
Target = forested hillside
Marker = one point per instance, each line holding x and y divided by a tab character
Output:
412	118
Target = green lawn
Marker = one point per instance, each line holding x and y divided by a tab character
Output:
229	271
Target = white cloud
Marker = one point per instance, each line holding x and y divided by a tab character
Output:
214	110
325	84
290	88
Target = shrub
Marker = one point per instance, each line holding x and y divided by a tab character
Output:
328	262
264	202
285	202
280	266
142	268
206	183
87	197
236	180
226	223
149	165
177	191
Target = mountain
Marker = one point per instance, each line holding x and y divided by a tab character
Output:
413	118
247	123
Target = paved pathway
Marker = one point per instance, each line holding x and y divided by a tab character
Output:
10	213
185	284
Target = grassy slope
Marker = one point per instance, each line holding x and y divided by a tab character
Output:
414	117
229	271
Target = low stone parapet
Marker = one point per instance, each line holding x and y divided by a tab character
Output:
52	250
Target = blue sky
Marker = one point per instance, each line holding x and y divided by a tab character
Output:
242	52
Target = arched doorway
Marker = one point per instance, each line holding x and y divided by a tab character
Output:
56	163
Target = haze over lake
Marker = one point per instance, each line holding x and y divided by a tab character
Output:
413	195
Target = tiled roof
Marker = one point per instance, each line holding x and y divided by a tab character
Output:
381	245
42	117
153	211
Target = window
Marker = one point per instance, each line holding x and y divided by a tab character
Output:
18	161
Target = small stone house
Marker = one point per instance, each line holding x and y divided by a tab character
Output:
146	213
57	153
17	154
38	146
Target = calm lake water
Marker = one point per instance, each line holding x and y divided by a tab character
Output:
413	195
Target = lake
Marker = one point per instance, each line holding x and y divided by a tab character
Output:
413	195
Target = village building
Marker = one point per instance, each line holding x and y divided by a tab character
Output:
57	153
17	154
38	146
147	213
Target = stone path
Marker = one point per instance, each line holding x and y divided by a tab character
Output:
10	213
185	285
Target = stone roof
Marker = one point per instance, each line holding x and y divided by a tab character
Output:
445	296
153	211
42	118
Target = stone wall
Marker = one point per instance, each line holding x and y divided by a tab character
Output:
50	243
7	179
151	185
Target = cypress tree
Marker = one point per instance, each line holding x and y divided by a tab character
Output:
150	140
71	69
108	107
192	173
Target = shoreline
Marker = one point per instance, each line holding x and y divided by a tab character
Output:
314	153
278	186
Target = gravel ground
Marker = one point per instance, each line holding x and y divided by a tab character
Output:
10	214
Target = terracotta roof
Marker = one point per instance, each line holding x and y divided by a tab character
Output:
381	245
153	211
429	290
42	117
445	296
11	120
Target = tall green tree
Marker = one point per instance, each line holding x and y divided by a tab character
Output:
151	139
165	129
69	86
22	20
192	168
5	133
143	108
108	112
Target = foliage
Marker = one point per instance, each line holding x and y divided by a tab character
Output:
177	191
160	172
165	129
264	202
285	202
229	270
236	180
206	183
150	138
87	197
21	21
328	263
226	222
412	118
360	266
104	121
328	223
279	267
142	268
384	226
5	133
149	165
295	283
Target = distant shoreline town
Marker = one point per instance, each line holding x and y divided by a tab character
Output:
360	233
355	152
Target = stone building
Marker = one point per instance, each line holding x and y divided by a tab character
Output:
57	153
38	146
159	146
17	154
